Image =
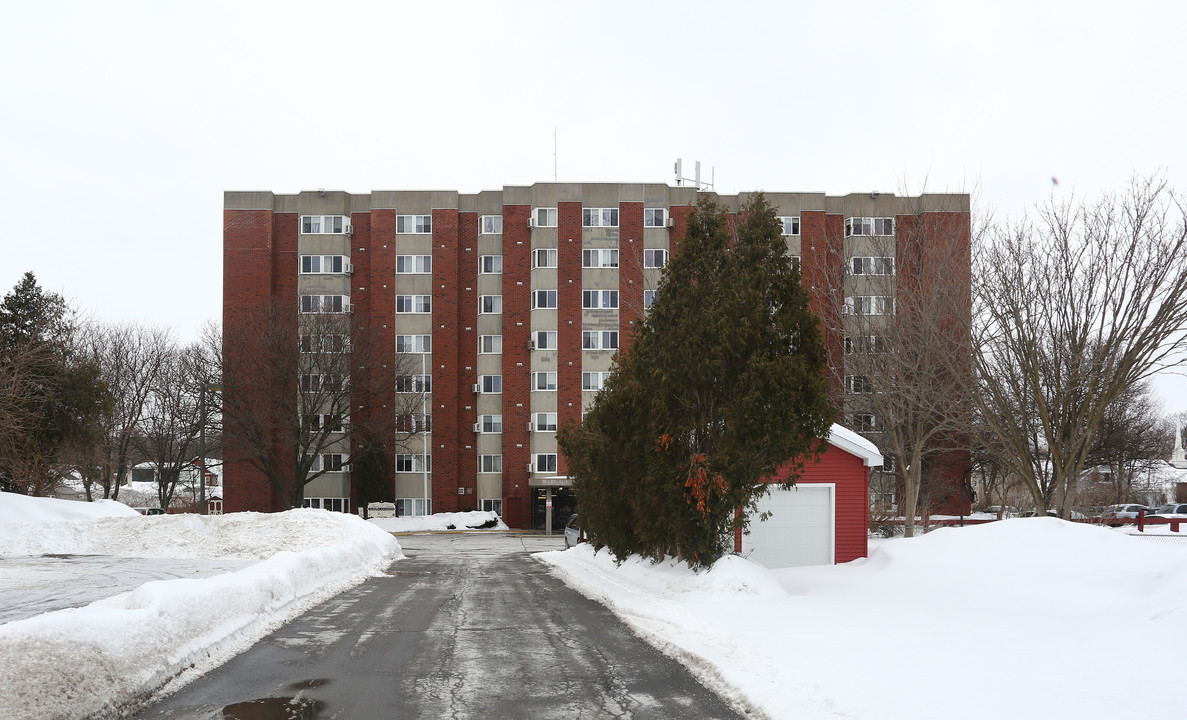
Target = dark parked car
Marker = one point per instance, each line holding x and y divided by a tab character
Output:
150	511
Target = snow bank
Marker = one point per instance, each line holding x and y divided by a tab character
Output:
1023	618
20	508
92	660
440	522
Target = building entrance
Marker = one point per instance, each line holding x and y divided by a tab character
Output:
564	504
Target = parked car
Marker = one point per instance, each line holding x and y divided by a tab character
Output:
1076	514
1171	511
1006	510
573	533
1124	511
150	511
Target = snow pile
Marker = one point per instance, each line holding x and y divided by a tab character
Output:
83	661
1021	618
473	520
22	509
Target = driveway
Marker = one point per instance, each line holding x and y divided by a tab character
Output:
468	626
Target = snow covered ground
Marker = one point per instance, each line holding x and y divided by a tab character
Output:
244	575
440	522
1027	618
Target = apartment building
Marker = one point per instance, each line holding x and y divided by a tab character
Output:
509	305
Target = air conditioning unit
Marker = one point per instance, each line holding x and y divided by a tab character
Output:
530	468
347	308
477	427
348	230
670	222
476	388
531	428
531	344
349	268
531	222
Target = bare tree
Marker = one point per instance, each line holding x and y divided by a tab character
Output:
171	426
1072	311
1132	441
905	310
289	389
130	358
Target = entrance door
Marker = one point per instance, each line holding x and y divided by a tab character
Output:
564	504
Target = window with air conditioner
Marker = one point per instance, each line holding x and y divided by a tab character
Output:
490	423
545	217
490	384
545	463
544	339
544	421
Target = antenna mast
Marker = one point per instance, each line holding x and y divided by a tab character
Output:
696	179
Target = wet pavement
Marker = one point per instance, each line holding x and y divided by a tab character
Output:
468	626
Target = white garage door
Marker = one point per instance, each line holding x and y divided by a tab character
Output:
799	530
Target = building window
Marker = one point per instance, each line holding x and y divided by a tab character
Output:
603	258
494	505
490	423
544	258
490	304
414	343
330	504
599	217
655	217
490	265
414	264
414	463
648	299
544	300
865	422
655	258
599	340
327	422
323	224
544	381
593	380
492	384
869	305
414	303
545	217
865	345
791	225
414	383
599	299
414	423
544	340
409	224
413	507
490	225
872	266
325	303
796	262
330	344
869	226
323	264
545	463
490	463
490	344
858	385
316	382
545	422
330	462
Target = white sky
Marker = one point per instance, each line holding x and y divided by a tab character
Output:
122	123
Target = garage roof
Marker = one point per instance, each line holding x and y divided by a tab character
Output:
855	444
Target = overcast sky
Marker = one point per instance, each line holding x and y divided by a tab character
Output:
121	124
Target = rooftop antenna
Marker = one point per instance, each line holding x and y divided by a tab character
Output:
696	179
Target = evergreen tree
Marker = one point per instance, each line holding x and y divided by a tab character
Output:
722	384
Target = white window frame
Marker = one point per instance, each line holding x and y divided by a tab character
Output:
414	507
868	226
490	424
544	381
490	224
544	462
599	217
490	463
544	422
494	505
871	266
545	216
599	299
599	258
316	304
337	224
414	224
419	384
549	254
865	423
490	264
648	299
490	384
413	344
318	264
655	217
490	344
547	296
414	264
544	339
599	339
865	345
414	463
593	381
653	256
858	385
869	305
493	302
414	304
790	225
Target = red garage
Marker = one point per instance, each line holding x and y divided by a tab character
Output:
822	519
